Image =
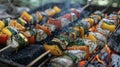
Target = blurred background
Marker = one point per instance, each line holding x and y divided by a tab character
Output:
37	3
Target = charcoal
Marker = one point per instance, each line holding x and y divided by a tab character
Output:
95	64
24	56
114	41
29	53
115	61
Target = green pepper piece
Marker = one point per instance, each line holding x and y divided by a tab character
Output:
72	56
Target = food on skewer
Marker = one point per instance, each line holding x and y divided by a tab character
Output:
96	37
38	16
15	24
9	31
60	23
52	12
3	39
17	41
72	46
54	45
2	25
107	26
38	34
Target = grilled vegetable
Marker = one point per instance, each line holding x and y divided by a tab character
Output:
90	20
54	48
9	31
39	16
30	35
27	17
91	37
52	12
73	33
68	17
55	22
44	28
2	25
108	27
21	21
15	24
57	9
17	41
3	39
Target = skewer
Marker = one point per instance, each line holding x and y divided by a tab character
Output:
99	49
44	62
38	58
8	46
101	46
28	19
1	50
47	52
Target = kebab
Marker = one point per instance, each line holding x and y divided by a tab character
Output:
45	30
99	34
75	53
111	16
14	23
53	21
21	25
39	31
26	17
62	22
58	61
20	22
108	25
38	16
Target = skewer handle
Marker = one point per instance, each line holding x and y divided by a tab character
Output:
5	48
38	58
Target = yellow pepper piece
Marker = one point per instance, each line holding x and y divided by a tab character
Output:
90	20
76	28
108	27
75	36
57	9
91	37
26	16
1	33
54	49
2	25
17	25
81	31
50	12
7	32
39	15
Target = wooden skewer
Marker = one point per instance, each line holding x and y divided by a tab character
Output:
38	58
43	62
5	48
41	56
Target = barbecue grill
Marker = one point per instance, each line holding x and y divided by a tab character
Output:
24	56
